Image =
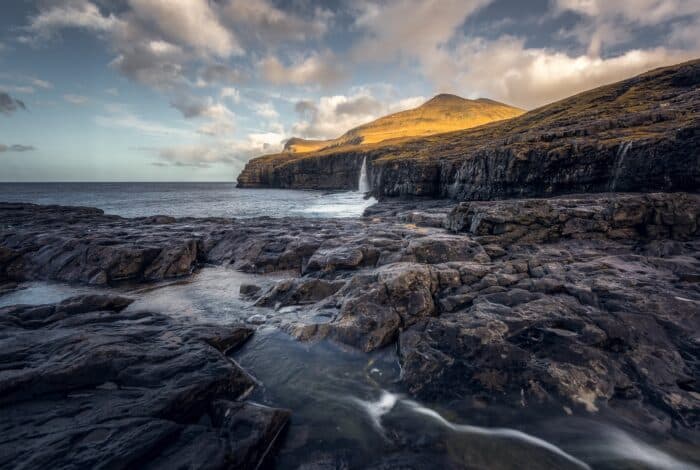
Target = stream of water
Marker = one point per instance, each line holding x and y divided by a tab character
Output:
350	410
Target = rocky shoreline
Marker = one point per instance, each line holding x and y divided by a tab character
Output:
585	304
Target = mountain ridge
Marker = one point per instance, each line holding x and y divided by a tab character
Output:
442	113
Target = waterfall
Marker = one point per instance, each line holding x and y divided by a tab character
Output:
621	152
363	184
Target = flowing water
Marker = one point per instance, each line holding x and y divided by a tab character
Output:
363	183
349	408
619	162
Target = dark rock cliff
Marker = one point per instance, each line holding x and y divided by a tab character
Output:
641	134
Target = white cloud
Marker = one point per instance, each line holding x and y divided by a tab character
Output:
315	68
46	85
506	70
219	119
262	20
332	116
24	84
77	100
643	12
266	110
193	23
408	27
608	23
233	153
25	90
119	117
231	94
76	13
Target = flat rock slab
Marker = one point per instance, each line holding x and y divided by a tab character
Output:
86	384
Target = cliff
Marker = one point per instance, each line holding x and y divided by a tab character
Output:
640	134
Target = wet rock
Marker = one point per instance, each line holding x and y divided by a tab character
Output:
298	291
443	248
257	319
586	303
249	291
337	258
626	216
375	306
7	287
244	435
87	383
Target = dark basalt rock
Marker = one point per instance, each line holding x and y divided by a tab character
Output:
584	304
86	383
614	216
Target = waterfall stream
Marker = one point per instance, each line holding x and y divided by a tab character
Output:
363	184
621	153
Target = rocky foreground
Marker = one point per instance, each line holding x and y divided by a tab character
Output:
585	305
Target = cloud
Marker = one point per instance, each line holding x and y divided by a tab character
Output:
153	40
232	153
194	23
265	22
332	116
9	105
230	93
219	119
220	74
149	60
119	117
506	70
606	23
16	148
77	100
315	68
266	110
46	85
71	14
25	90
643	12
408	28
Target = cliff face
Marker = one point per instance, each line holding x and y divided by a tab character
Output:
641	134
334	171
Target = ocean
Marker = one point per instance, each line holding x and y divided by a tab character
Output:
189	199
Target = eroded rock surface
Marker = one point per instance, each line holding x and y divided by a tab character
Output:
87	384
589	303
581	304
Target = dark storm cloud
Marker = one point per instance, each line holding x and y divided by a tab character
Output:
9	105
16	148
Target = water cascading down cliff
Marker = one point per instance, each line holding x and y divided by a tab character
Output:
363	184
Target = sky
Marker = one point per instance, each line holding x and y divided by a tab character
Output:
189	90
